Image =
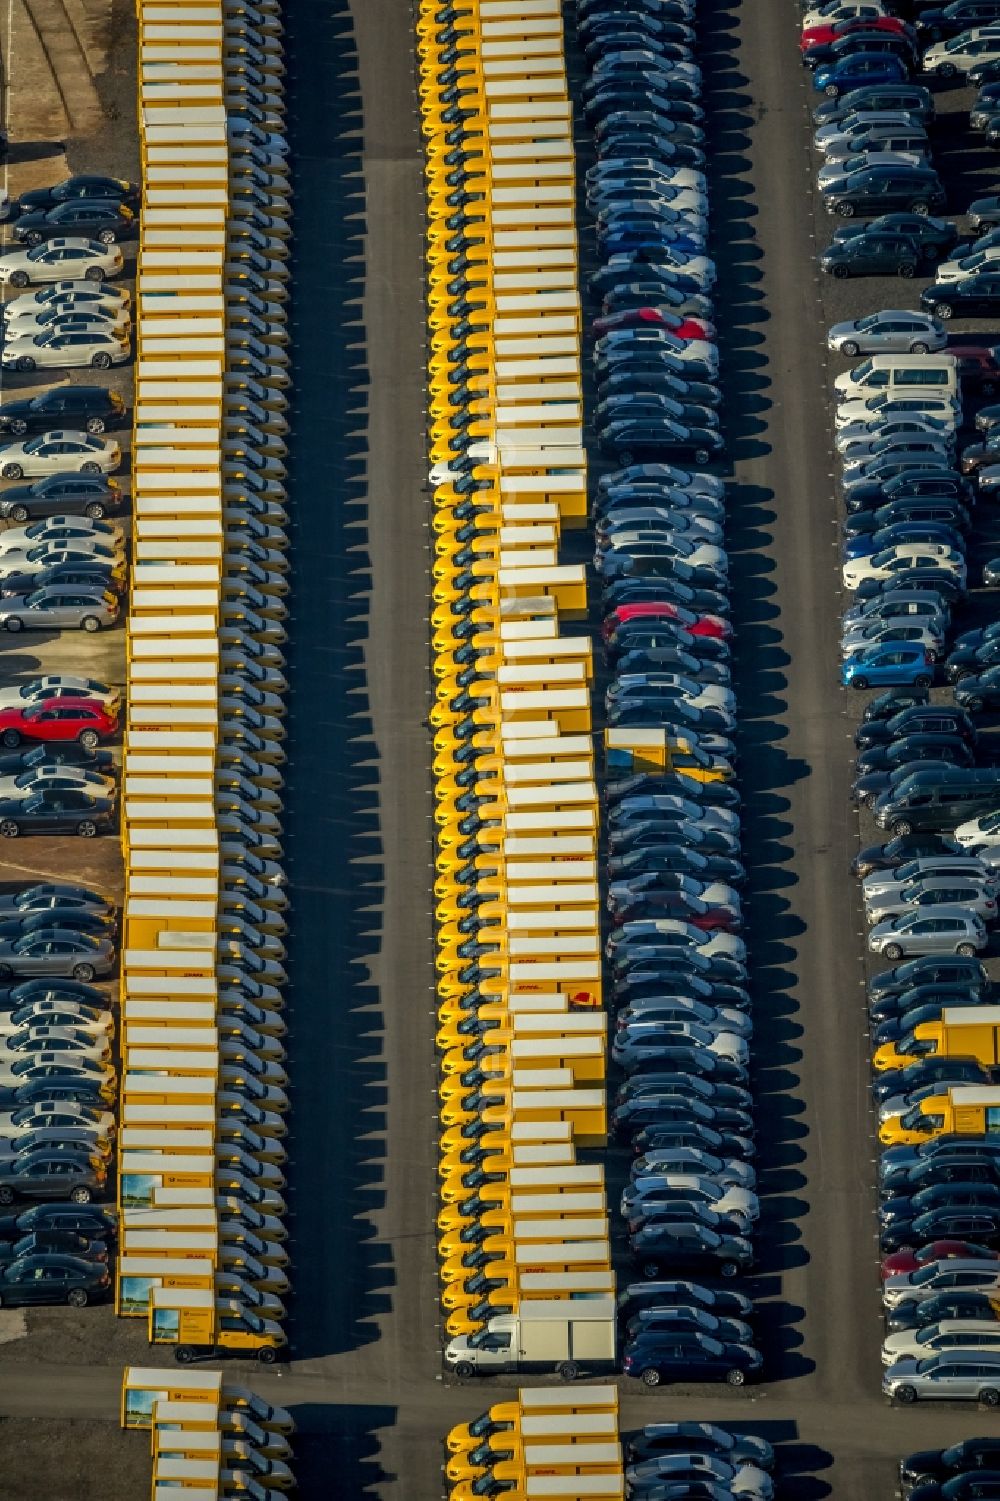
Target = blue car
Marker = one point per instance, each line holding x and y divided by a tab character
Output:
868	544
857	71
888	665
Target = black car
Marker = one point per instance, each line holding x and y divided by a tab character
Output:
871	189
966	1222
85	218
933	237
911	97
56	753
917	1313
937	22
898	850
871	519
91	1220
932	483
984	213
85	576
659	435
871	254
93	408
976	296
689	1357
92	495
67	811
658	1439
70	1087
946	1167
107	189
53	1279
978	1483
934	1465
949	969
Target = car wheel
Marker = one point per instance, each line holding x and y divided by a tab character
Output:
18	427
107	236
92	273
12	471
101	361
77	1297
6	972
81	1194
90	623
893	951
627	459
6	1196
19	513
95	425
95	510
701	455
845	210
87	829
9	828
841	272
13	623
901	827
184	1355
923	209
906	1394
33	237
84	972
90	467
729	1269
735	1378
947	70
19	278
11	739
88	738
850	348
944	310
266	1355
974	705
650	1376
650	1271
25	362
463	1368
989	1396
966	950
923	681
860	682
906	268
831	91
989	387
920	348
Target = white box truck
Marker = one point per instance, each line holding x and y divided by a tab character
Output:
563	1335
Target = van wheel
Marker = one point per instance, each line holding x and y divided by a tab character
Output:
967	950
893	951
735	1378
87	738
989	1396
568	1370
906	1394
651	1376
463	1368
923	681
80	1194
901	826
77	1297
184	1355
266	1355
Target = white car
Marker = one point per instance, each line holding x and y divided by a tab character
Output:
58	1013
944	409
831	139
701	555
92	294
94	346
960	1337
960	53
723	1198
842	10
58	259
74	315
60	685
906	555
53	779
968	265
60	453
65	529
70	1043
702	695
984	830
48	1114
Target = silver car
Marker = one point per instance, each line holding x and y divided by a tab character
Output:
962	1335
969	1375
934	891
891	882
942	930
918	424
916	630
955	1274
59	607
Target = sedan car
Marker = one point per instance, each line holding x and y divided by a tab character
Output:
975	296
952	1275
59	259
878	254
58	453
657	1358
66	812
53	1278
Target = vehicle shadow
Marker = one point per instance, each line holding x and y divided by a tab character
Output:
341	1440
343	1272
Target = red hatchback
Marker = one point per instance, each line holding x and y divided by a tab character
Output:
644	317
936	1250
83	719
816	36
697	625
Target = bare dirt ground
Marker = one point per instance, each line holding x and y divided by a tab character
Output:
72	1460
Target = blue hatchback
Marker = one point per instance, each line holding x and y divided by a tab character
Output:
889	665
857	71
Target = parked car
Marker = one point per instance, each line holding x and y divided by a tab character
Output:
58	259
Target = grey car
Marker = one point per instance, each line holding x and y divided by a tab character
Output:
891	882
972	1376
894	330
955	1274
59	607
942	930
919	424
933	892
78	956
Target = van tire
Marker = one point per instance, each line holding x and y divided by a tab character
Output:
463	1368
567	1370
184	1355
989	1396
967	950
906	1395
266	1355
893	951
650	1376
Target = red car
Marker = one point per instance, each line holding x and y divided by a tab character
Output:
698	625
642	317
84	719
936	1250
816	36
